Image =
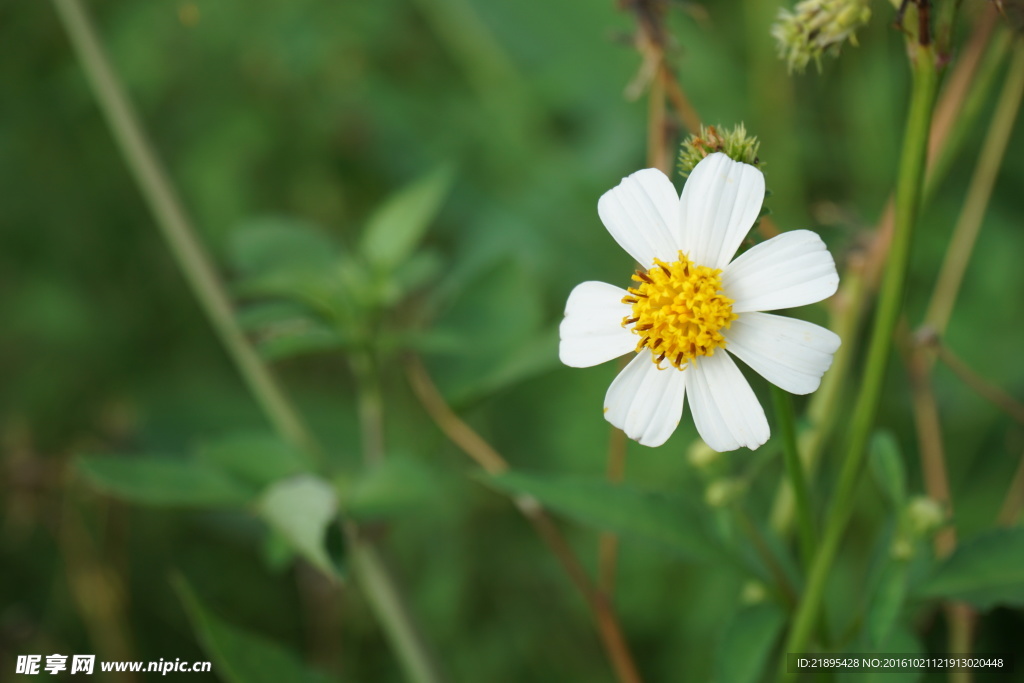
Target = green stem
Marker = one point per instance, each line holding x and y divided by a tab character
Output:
908	195
371	407
786	422
175	225
201	276
391	608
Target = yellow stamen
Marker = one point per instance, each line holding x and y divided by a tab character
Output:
681	306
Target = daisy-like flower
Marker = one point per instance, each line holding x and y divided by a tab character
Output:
692	306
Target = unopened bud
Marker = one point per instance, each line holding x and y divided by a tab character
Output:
701	455
817	27
735	144
924	515
722	492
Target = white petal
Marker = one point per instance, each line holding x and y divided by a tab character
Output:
791	354
721	200
592	330
789	270
641	213
725	410
645	402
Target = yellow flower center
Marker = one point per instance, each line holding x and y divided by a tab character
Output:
679	311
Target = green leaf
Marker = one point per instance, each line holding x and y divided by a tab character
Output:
238	655
902	641
260	459
300	508
323	291
886	603
395	229
395	486
164	481
887	468
671	521
254	317
532	358
497	317
747	643
271	244
299	339
985	571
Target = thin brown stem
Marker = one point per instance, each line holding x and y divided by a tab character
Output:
929	435
960	617
680	103
460	433
968	225
609	543
472	444
657	146
651	42
990	392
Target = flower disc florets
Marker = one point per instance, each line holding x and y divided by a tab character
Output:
679	311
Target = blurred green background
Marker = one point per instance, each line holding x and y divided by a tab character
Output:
318	111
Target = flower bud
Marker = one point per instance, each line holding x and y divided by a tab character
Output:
735	144
817	27
924	515
722	492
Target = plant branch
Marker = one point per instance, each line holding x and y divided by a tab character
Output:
908	195
473	445
968	225
786	422
201	276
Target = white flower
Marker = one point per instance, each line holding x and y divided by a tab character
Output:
691	301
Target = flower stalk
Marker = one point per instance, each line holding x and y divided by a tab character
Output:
786	423
925	80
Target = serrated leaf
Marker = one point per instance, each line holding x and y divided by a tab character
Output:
395	229
238	655
300	508
985	571
747	642
887	468
395	486
260	459
165	481
671	521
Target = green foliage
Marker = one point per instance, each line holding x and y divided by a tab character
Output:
886	463
396	486
747	643
300	509
986	571
670	521
259	459
164	481
291	143
238	655
497	321
398	225
890	591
